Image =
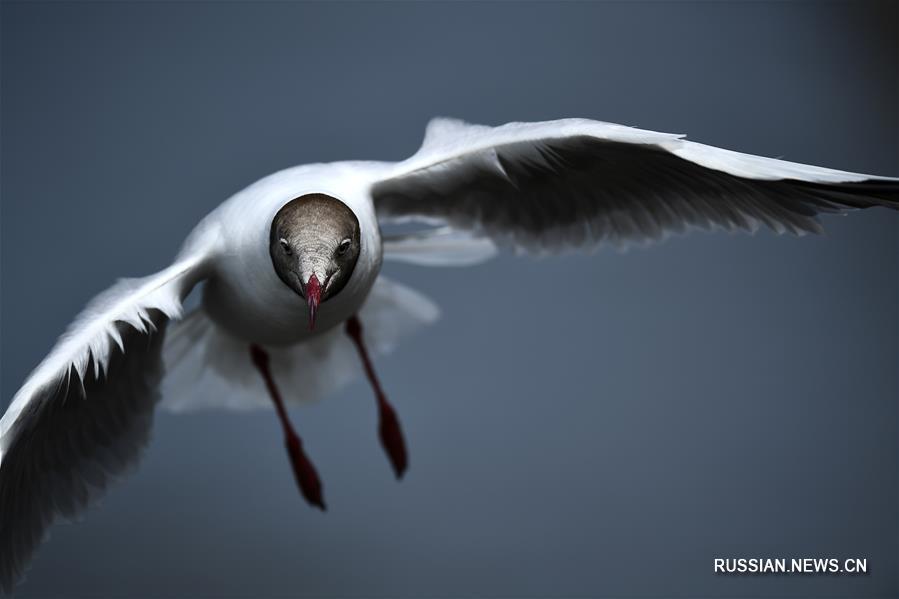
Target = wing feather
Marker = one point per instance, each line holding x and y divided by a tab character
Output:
441	246
575	183
84	414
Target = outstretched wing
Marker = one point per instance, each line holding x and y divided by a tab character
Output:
85	413
577	182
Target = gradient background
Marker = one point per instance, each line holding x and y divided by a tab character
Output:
714	396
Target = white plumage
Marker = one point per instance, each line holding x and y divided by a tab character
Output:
84	413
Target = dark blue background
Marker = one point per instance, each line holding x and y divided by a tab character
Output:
714	396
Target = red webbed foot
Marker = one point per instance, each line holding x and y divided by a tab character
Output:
392	438
389	428
305	473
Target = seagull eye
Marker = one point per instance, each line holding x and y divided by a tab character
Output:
285	246
343	247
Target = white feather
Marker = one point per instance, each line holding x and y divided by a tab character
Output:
207	368
88	337
574	183
56	453
442	246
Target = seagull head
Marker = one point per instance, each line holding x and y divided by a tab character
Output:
314	245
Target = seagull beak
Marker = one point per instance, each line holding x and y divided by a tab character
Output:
313	297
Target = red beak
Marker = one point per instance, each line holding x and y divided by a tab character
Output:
313	296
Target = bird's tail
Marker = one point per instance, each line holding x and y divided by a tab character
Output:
206	368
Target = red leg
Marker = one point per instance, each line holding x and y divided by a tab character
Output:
303	470
389	427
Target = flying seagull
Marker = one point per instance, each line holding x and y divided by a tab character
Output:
291	265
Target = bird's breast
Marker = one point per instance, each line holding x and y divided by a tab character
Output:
276	321
248	299
271	315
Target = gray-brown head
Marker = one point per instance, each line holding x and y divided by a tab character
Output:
314	245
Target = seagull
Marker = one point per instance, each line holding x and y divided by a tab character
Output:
291	287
